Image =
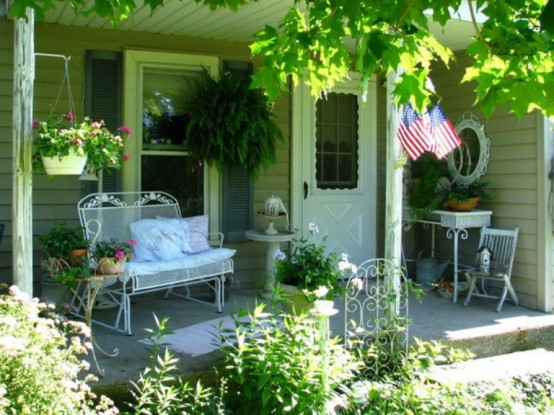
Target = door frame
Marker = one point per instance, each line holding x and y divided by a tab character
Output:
303	112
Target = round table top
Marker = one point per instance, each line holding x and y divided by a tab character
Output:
260	235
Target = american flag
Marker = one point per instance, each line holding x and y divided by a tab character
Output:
444	136
413	132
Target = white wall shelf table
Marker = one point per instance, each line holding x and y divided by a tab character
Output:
456	225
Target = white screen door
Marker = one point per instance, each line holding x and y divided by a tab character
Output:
338	169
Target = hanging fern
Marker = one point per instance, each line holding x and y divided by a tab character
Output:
231	124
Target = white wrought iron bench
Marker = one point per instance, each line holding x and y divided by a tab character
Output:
112	215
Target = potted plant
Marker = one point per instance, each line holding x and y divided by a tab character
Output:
64	255
307	273
464	198
231	124
111	255
64	147
429	185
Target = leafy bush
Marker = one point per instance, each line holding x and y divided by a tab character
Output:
410	390
39	364
308	267
159	391
275	364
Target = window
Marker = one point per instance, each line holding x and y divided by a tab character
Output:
337	141
165	162
158	88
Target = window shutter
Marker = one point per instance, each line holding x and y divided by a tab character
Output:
103	90
238	200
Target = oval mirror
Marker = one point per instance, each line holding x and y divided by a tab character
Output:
469	161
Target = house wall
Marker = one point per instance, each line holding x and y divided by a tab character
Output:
514	173
56	199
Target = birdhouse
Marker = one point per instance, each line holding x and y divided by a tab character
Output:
484	258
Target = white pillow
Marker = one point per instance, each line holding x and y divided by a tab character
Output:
195	233
157	240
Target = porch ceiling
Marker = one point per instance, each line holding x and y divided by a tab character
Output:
186	18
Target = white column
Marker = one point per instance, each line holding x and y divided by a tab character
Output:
22	217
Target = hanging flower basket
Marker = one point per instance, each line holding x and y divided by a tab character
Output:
60	140
73	163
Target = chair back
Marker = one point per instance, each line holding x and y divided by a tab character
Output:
108	215
502	243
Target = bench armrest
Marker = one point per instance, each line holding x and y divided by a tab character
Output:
215	239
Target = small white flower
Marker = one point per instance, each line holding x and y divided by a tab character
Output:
345	265
313	228
280	255
321	291
358	283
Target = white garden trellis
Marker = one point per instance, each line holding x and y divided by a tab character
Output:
376	313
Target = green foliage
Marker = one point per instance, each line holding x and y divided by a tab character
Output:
426	194
231	124
308	266
57	246
409	389
62	239
513	62
40	369
113	248
57	136
512	50
160	391
478	189
275	364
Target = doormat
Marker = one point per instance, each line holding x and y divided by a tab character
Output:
198	339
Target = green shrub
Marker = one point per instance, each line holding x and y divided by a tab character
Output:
160	391
39	364
275	364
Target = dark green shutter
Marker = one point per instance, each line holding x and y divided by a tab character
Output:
103	97
238	200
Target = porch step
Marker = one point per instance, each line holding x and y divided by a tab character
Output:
505	336
506	366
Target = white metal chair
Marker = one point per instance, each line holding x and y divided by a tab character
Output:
502	243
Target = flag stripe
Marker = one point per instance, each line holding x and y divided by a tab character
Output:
413	133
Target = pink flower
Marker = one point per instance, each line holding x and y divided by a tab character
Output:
36	123
120	255
125	157
96	125
69	115
79	142
125	130
132	242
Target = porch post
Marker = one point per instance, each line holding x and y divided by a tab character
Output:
394	170
393	204
22	218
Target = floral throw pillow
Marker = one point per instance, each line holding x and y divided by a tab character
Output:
194	231
197	228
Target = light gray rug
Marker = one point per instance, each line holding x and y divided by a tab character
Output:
198	339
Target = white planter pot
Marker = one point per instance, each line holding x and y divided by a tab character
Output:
70	164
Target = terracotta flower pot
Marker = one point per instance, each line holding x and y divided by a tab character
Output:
466	206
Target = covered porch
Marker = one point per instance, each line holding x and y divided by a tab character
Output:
478	327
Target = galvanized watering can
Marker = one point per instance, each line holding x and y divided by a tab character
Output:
428	270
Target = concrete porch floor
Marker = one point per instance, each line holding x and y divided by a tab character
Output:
478	327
